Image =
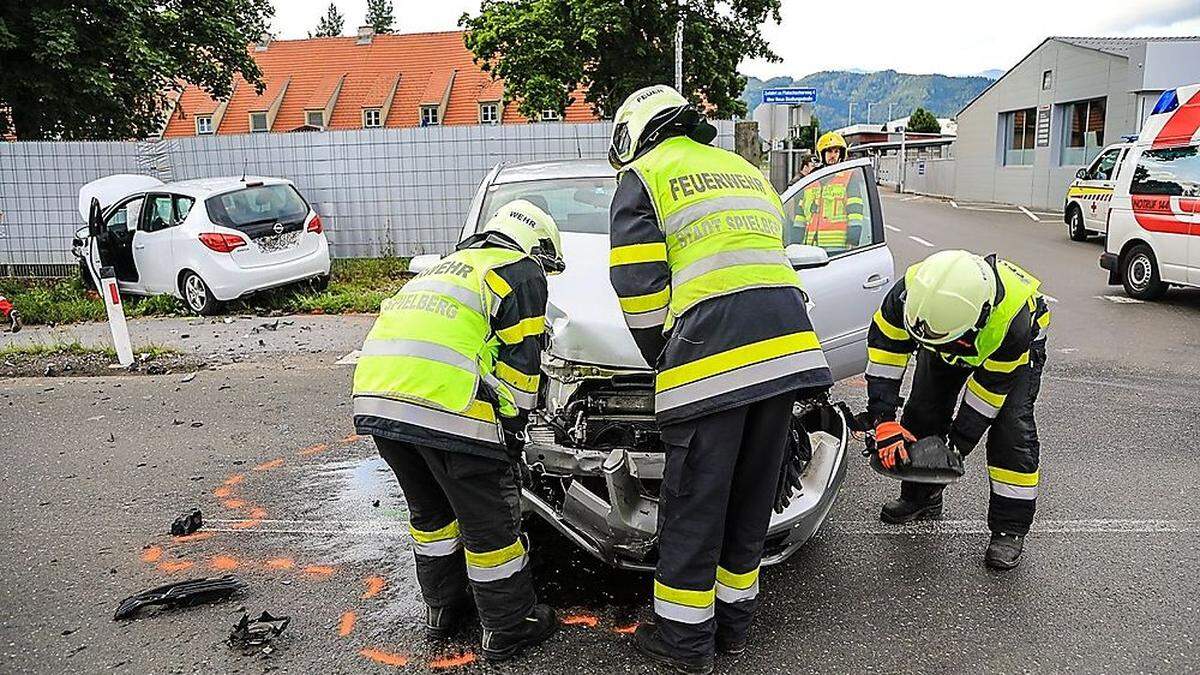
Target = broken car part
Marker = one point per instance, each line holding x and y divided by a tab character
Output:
180	594
260	631
930	460
187	523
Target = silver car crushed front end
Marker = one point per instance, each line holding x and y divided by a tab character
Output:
595	465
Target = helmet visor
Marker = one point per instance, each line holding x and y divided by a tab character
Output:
923	332
621	141
548	257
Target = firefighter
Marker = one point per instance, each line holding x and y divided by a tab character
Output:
447	377
9	314
979	323
830	211
713	304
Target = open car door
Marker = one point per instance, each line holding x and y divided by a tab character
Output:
107	231
837	210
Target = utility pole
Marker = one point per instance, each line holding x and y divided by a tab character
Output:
900	161
679	51
889	119
850	114
869	104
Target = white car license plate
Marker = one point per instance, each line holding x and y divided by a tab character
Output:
279	242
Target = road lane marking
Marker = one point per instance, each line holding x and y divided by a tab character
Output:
1042	526
920	241
349	359
1049	298
892	228
953	203
909	199
1029	213
1120	299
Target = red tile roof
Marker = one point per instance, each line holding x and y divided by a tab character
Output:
311	69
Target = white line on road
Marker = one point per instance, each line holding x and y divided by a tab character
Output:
909	199
1029	213
1049	298
349	359
892	228
1042	526
953	203
1120	299
920	241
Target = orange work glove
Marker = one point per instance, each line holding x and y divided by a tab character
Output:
890	438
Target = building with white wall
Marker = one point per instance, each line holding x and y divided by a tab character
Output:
1024	137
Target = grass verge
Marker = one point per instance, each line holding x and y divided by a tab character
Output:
45	349
356	285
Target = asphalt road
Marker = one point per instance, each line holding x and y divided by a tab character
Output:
97	468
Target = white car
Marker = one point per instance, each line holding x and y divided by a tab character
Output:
206	241
1154	219
594	456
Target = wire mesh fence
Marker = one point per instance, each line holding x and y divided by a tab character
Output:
379	192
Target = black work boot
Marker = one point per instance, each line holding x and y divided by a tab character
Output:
445	622
901	510
649	645
728	643
501	645
1004	551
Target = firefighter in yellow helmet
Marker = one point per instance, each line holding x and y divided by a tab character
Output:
698	265
445	382
977	323
830	211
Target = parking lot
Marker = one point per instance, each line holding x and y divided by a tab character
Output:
307	515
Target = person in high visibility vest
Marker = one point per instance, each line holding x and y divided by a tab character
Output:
978	323
712	302
445	382
830	213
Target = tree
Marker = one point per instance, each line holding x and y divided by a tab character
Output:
107	69
379	16
545	50
331	24
922	121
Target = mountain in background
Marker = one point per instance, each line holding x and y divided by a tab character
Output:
941	95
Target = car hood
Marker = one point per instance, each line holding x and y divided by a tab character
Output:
110	189
586	324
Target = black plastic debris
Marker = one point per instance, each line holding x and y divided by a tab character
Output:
257	632
180	594
187	523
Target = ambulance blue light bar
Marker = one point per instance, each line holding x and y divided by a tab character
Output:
1168	102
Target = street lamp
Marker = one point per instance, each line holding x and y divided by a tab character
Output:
679	49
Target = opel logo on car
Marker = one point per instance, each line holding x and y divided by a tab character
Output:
278	228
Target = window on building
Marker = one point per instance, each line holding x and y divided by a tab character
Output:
1020	130
1047	80
1083	131
258	122
1171	172
489	113
372	118
550	116
204	125
315	118
430	116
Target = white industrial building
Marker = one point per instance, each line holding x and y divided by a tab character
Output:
1024	137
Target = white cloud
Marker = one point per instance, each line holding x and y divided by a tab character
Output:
955	38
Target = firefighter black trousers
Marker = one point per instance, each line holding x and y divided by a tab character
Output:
465	520
715	505
1012	440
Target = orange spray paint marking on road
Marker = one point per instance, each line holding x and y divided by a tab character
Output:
452	661
352	438
195	536
258	513
273	464
626	630
151	554
346	623
318	448
223	492
375	586
580	620
246	524
281	563
224	563
234	479
386	658
319	570
233	503
172	566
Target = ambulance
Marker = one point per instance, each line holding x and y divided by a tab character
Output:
1090	194
1154	215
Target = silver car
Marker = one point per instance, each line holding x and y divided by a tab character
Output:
594	456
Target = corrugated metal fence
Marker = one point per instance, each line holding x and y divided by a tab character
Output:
379	191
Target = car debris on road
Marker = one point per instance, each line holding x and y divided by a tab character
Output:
187	523
258	632
180	594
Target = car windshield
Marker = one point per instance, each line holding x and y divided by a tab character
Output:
259	204
576	204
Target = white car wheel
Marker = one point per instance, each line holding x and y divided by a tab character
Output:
196	295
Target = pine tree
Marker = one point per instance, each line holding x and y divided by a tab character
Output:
379	16
331	24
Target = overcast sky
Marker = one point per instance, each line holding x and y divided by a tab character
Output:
955	38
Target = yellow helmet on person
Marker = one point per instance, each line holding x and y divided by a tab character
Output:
645	115
830	140
948	294
532	230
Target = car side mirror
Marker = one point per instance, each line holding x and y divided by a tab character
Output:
423	263
95	219
804	256
1081	174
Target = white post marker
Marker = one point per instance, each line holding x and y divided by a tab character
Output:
1029	213
116	316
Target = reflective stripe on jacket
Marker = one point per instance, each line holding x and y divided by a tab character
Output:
827	211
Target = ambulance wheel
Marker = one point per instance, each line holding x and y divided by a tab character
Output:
196	294
1075	228
1139	274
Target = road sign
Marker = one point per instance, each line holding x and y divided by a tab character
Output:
790	95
